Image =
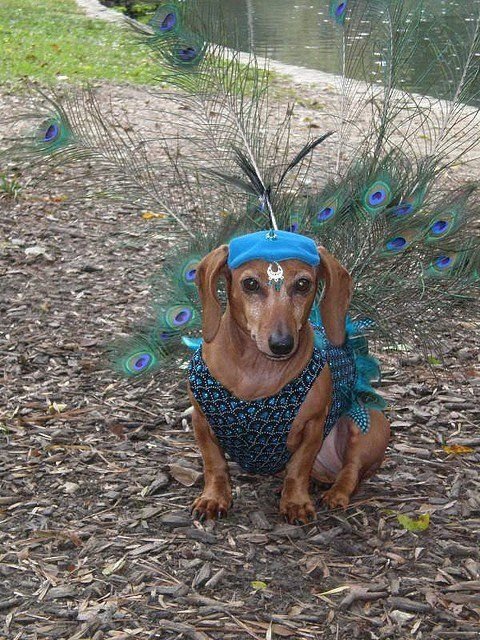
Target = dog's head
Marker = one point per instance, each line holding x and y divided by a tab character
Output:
274	316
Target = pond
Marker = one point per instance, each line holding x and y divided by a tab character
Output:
300	32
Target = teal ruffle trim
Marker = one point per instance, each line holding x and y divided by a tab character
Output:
363	394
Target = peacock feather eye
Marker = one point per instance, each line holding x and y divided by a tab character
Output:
169	22
189	271
182	317
325	214
188	50
439	227
402	209
443	262
341	8
52	132
295	222
396	244
190	275
377	196
139	362
176	47
179	316
140	354
166	19
407	206
444	224
338	10
187	53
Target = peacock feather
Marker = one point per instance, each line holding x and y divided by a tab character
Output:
55	133
338	10
147	350
381	195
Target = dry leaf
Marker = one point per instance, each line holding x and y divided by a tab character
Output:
258	585
457	449
282	631
185	475
268	635
411	524
113	567
296	610
56	407
86	578
345	587
118	430
75	539
274	629
34	252
313	562
150	215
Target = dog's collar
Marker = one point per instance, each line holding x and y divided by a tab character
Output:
272	246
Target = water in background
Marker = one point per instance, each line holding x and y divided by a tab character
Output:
300	32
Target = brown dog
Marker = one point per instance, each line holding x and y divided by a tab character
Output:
261	342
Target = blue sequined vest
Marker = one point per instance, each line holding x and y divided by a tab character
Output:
254	433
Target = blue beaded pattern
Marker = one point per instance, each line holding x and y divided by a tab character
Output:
254	433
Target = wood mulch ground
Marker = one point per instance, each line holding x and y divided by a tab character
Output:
97	474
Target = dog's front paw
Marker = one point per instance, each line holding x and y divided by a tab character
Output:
211	506
335	497
297	511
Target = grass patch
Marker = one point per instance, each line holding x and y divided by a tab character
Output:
141	11
9	187
51	40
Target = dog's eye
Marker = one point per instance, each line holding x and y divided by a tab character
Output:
250	284
303	285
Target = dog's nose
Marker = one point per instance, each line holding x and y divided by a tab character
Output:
280	344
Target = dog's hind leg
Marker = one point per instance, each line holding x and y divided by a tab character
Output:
362	456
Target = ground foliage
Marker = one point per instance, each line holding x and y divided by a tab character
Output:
53	40
97	474
133	8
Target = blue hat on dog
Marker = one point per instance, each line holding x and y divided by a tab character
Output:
272	246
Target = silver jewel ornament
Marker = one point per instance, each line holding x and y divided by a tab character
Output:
275	278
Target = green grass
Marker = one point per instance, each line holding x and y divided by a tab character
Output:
51	40
9	187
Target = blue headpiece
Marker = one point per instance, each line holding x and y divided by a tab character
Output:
272	246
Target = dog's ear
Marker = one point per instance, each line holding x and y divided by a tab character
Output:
336	296
206	279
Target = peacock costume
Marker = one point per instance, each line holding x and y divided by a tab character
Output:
381	195
254	433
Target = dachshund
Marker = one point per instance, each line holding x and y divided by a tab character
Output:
259	343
